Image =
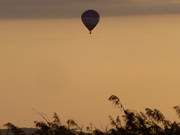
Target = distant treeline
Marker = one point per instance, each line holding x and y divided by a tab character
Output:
149	122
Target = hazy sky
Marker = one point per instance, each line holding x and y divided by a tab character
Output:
54	65
73	8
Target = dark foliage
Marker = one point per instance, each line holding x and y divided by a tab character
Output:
149	122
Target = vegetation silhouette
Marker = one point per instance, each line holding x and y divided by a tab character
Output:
149	122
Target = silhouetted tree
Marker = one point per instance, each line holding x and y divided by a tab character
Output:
128	122
15	130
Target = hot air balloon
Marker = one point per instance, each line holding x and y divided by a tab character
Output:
90	19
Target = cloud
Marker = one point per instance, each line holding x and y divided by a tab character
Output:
73	8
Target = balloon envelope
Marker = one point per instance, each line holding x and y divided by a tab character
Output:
90	19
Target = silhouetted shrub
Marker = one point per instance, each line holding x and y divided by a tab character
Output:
128	122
